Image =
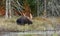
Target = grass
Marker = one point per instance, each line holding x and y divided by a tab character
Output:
12	34
39	23
39	34
31	35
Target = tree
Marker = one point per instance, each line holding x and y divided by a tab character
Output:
6	16
38	7
44	13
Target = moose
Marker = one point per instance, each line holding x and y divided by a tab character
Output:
26	18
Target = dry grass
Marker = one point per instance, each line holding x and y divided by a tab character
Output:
38	24
32	35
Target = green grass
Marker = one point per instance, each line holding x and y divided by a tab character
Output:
38	24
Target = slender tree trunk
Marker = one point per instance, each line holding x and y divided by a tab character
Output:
37	1
9	8
6	15
44	8
53	14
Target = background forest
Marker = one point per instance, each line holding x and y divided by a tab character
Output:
38	7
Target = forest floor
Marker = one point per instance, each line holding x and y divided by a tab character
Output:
39	24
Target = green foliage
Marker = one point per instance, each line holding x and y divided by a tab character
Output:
32	4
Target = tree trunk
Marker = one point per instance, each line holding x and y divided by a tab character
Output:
44	9
38	10
6	15
9	8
